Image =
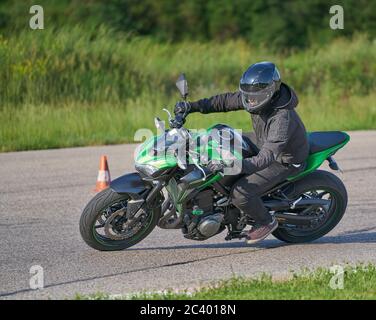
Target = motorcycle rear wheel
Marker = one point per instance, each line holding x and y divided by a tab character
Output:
93	213
318	180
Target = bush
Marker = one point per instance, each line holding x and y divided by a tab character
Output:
75	86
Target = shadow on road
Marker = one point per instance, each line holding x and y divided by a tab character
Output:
350	237
343	238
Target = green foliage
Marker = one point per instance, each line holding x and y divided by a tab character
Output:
77	86
102	69
96	66
276	24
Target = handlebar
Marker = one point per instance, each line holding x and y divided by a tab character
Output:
177	123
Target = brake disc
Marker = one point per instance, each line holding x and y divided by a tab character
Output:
118	230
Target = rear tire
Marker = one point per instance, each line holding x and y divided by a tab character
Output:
316	180
92	211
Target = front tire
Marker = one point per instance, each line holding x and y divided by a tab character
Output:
319	180
94	210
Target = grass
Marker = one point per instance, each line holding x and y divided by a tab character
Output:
42	127
358	283
79	86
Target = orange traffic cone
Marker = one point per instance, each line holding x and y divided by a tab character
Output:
104	179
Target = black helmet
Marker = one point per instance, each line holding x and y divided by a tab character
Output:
259	85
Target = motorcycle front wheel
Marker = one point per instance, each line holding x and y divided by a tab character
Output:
104	226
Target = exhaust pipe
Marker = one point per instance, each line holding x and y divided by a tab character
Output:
285	205
289	218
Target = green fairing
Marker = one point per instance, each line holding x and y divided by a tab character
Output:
160	162
315	160
210	181
146	156
166	160
177	195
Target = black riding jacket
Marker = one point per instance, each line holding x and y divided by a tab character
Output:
280	133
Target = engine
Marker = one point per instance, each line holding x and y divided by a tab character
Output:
202	217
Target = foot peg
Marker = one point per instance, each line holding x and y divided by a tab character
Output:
235	235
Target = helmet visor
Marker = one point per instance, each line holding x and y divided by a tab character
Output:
252	101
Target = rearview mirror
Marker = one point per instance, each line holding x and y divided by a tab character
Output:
182	85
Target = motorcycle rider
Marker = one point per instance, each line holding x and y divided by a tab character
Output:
280	136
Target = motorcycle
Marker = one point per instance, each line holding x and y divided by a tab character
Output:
172	189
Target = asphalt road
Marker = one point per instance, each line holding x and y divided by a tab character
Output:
42	194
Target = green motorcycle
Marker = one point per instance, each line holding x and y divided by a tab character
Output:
173	189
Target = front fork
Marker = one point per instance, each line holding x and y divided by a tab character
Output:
136	206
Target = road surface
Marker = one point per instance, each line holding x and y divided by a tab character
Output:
42	194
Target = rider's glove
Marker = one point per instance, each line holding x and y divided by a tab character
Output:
216	167
182	107
178	122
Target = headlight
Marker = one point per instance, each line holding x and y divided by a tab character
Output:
146	169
